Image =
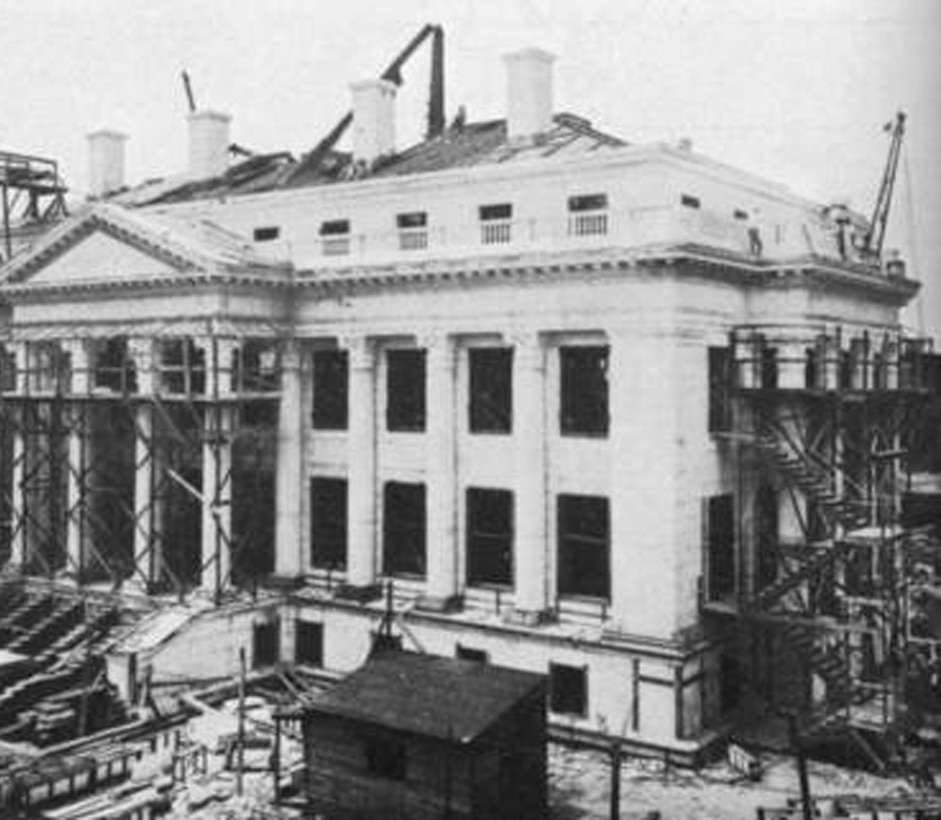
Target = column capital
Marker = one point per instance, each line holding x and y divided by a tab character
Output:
361	348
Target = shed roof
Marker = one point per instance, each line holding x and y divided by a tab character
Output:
427	695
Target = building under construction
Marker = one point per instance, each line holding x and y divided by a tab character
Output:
617	413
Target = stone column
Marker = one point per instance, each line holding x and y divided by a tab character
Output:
442	589
217	498
289	557
20	541
531	566
361	571
143	352
81	381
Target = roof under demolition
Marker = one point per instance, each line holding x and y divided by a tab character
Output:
461	145
427	695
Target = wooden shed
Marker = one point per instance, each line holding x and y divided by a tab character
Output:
418	736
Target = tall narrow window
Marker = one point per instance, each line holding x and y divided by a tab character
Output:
584	567
720	546
489	537
331	390
308	643
328	530
491	389
405	390
403	529
266	644
584	390
720	407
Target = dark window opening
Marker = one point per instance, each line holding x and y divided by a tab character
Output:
466	653
331	390
491	390
403	529
813	373
308	643
386	757
688	201
720	546
335	227
588	202
328	531
7	371
265	644
405	390
413	219
584	546
489	537
266	234
769	367
740	214
568	689
504	210
846	369
730	675
767	536
720	404
255	367
584	389
114	368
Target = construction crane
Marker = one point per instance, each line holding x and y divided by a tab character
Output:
871	242
393	74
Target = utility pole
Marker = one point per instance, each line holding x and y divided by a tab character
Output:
616	779
806	808
240	750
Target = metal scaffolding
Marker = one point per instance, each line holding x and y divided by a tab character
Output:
147	461
829	599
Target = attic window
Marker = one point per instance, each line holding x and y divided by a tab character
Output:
335	237
495	223
688	201
266	234
588	215
413	230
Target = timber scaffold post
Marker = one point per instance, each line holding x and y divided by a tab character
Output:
825	614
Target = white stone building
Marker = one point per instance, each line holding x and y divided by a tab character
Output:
492	369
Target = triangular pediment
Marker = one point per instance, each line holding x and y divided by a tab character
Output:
100	257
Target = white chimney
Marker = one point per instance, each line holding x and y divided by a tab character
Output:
105	162
529	92
373	119
209	143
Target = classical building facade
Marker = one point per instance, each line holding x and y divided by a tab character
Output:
493	381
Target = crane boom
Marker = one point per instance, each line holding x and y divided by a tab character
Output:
875	236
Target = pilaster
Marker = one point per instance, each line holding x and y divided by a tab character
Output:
361	493
290	477
442	591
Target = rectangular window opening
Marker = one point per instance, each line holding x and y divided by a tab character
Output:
720	546
328	527
568	689
688	201
584	391
405	391
331	390
739	214
720	404
267	233
467	653
335	237
583	531
491	389
588	215
308	643
386	757
489	537
495	225
403	535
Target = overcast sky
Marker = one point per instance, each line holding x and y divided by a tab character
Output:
795	90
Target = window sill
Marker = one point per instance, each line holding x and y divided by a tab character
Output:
566	434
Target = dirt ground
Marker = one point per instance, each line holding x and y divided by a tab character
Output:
580	787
